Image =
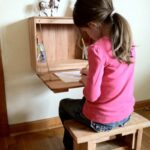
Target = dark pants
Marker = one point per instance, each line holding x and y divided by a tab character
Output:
72	109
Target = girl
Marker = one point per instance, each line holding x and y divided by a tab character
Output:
108	93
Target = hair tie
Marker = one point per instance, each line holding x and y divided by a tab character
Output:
112	13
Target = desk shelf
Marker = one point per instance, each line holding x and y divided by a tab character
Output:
59	37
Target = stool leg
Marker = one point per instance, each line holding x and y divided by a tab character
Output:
75	145
84	146
139	139
90	146
133	140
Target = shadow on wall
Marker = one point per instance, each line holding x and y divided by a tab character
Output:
22	84
69	8
29	9
16	49
32	8
142	87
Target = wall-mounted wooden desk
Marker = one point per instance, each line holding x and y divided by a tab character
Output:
59	37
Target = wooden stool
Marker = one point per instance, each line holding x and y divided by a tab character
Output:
129	136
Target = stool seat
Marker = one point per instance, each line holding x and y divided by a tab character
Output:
81	134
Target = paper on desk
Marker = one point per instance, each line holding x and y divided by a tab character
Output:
69	76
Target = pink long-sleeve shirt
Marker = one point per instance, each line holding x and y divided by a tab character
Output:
109	88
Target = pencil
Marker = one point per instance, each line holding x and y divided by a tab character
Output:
83	42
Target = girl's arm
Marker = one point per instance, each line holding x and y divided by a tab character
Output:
92	90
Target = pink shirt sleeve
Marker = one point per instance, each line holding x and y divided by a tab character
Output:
92	89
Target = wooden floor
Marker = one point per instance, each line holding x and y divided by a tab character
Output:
52	139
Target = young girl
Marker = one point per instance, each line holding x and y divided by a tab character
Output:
108	93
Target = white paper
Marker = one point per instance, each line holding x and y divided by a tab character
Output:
69	76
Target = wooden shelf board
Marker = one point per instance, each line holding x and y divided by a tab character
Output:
57	85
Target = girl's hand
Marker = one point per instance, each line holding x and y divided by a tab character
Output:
83	79
84	73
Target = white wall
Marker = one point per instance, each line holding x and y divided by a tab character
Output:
138	15
28	99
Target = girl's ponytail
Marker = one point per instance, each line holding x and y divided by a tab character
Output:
121	38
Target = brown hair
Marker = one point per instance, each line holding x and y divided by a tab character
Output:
103	11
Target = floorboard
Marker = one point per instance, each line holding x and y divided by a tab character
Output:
52	139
